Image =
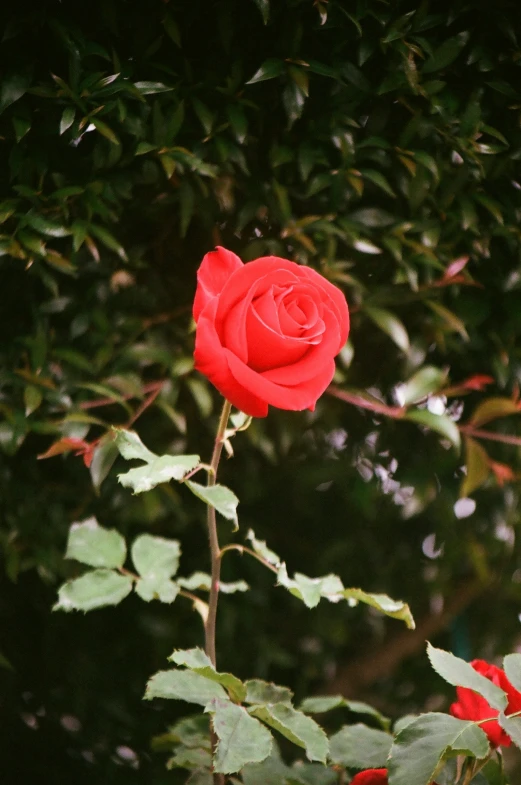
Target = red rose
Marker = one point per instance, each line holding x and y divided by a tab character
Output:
370	777
267	331
471	706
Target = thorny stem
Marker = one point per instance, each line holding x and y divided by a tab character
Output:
215	554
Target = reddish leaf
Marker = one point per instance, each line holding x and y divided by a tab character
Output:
88	454
477	382
503	472
65	445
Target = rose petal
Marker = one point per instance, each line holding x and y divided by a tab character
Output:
266	306
235	301
302	396
297	294
269	349
262	273
306	368
338	301
303	310
214	271
370	777
211	360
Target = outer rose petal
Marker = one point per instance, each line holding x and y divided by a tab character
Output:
471	706
293	398
265	270
370	777
214	271
210	360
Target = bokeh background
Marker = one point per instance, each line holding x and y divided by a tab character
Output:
381	144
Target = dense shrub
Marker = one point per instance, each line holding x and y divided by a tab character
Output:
378	143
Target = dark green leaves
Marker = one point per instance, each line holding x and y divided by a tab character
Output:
258	691
421	745
360	747
390	324
445	54
296	727
437	422
14	85
269	69
199	682
324	703
424	382
151	88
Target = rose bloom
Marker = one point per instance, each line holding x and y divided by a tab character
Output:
471	706
267	331
370	777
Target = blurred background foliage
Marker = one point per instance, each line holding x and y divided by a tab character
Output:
377	141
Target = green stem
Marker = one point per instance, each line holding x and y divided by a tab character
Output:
215	552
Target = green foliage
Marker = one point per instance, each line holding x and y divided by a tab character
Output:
330	587
378	143
512	666
360	747
185	685
155	557
156	470
296	727
242	738
419	748
223	499
95	589
320	704
91	544
197	661
458	672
